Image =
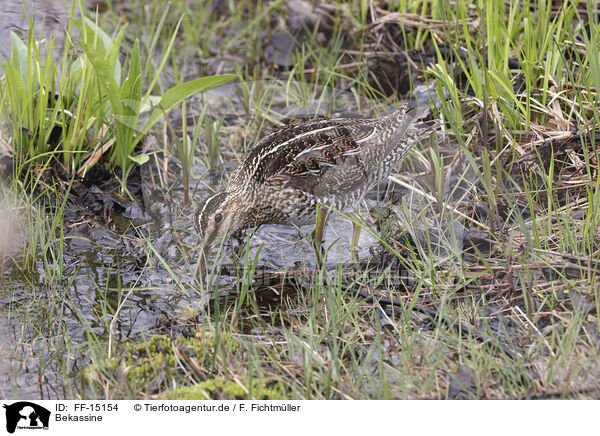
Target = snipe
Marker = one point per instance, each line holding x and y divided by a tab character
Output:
288	175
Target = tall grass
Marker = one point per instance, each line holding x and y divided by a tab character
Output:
92	102
489	260
508	306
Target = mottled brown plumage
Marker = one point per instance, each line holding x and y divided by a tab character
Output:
289	172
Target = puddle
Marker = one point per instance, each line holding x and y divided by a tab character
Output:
137	257
50	16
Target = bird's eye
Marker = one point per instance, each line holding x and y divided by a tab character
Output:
218	218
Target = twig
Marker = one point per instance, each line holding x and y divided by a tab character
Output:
518	309
432	198
436	317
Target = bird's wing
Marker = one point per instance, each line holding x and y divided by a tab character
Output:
319	158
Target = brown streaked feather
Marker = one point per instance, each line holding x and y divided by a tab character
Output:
333	161
305	149
326	157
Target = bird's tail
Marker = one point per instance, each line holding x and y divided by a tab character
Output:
400	122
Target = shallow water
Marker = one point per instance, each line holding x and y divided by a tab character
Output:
50	21
136	258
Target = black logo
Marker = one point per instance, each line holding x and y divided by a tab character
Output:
26	415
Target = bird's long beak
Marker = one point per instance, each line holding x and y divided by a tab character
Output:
201	262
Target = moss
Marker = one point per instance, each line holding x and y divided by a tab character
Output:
148	365
150	360
222	389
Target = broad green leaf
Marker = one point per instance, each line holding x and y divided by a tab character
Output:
15	87
131	94
131	91
91	33
140	159
106	40
97	57
149	103
19	55
113	56
178	93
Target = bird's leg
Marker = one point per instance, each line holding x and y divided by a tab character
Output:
317	233
357	220
356	228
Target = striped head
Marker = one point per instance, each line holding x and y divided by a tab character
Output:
217	219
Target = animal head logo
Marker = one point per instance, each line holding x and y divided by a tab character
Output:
26	415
